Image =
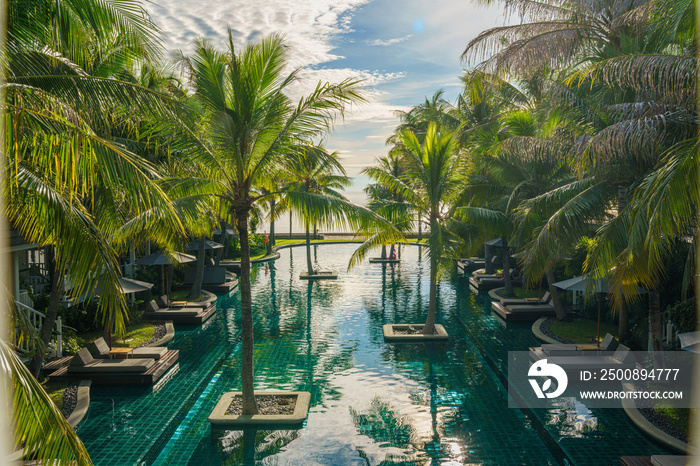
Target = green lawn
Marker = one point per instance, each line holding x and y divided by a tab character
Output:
582	330
523	293
135	335
679	417
55	390
181	295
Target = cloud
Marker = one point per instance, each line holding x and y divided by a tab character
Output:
384	43
308	25
375	109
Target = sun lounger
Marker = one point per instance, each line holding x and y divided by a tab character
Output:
607	346
669	460
544	300
84	363
100	350
164	302
522	311
469	265
489	281
622	357
116	371
183	315
656	460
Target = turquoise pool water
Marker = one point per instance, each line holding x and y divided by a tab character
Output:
372	403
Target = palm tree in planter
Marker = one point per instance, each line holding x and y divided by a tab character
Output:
317	173
386	202
253	128
431	184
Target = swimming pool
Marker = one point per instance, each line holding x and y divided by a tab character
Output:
372	402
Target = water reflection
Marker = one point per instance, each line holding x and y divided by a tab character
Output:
371	402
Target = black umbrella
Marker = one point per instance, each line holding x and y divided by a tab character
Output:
208	245
159	258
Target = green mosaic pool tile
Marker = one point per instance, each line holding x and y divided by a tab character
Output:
326	338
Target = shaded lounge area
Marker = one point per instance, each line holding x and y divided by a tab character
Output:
215	279
99	349
606	348
524	309
132	371
178	312
470	264
488	281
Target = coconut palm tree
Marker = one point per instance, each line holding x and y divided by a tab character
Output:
553	35
253	128
386	202
644	131
318	172
431	184
63	169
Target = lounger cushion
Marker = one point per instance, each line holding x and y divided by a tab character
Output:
669	460
156	352
584	362
82	358
609	343
163	301
530	308
546	298
99	348
623	354
152	306
180	311
560	349
114	366
506	302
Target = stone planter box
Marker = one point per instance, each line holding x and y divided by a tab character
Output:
318	275
219	418
391	335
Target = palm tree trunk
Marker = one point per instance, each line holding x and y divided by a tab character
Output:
248	392
51	314
624	318
623	325
224	239
429	326
506	269
199	273
161	280
309	267
272	229
696	245
554	293
420	229
383	251
228	239
655	319
488	263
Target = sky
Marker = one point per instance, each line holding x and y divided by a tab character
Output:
403	50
